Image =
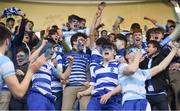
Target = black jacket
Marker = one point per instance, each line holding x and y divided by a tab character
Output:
161	80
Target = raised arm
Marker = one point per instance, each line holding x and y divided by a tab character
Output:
36	53
155	70
62	41
19	89
131	68
67	72
151	20
154	22
116	28
95	23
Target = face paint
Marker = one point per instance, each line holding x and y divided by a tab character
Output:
107	47
101	50
80	46
48	53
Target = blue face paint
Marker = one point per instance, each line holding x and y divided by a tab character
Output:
48	53
54	72
80	46
101	50
109	47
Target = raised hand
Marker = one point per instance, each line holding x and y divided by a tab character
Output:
36	65
174	45
47	32
19	72
60	34
70	60
101	6
138	54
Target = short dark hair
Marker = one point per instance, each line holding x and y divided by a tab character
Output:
4	34
111	44
10	19
71	17
138	30
23	49
82	19
75	36
173	26
159	29
31	22
104	31
155	44
54	27
171	21
101	41
135	26
52	32
148	33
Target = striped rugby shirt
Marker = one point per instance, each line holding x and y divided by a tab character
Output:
44	81
79	68
41	80
105	77
56	84
96	58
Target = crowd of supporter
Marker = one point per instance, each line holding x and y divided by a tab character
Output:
89	68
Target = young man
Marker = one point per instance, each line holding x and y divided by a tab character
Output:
133	83
104	89
44	81
8	74
104	82
138	40
22	57
10	23
121	44
79	73
157	86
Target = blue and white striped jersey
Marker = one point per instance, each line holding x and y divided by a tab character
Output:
55	83
79	68
133	86
41	80
105	77
68	34
96	59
